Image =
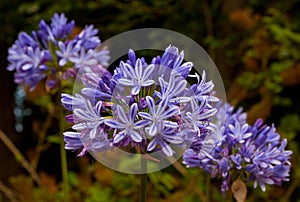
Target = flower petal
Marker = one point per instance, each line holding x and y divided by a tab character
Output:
135	136
141	124
122	115
148	71
145	115
114	124
151	146
119	137
167	150
151	104
153	129
125	82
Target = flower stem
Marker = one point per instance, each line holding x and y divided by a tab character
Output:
207	184
63	157
143	188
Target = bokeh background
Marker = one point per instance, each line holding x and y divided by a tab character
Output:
254	43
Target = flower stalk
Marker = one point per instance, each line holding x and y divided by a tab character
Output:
63	156
143	189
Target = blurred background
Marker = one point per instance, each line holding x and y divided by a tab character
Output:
254	43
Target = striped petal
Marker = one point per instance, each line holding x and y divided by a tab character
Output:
125	82
135	90
153	129
129	71
114	124
148	71
132	112
167	150
138	68
170	112
148	83
151	104
122	115
119	137
151	146
170	124
141	124
135	136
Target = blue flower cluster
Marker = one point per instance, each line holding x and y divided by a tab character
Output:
253	153
54	52
142	107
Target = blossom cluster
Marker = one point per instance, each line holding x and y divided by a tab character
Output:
253	153
54	52
141	107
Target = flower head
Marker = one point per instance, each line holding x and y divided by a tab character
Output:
51	52
141	111
256	152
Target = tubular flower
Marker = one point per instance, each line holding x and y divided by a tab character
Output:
52	53
254	153
140	111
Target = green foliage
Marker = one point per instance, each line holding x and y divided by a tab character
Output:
98	194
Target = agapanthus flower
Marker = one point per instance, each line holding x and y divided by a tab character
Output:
254	153
53	53
141	111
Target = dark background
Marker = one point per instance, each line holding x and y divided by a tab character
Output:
254	43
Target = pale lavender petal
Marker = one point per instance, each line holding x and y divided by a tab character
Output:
145	115
122	115
119	137
153	129
151	104
162	106
93	133
170	124
135	136
141	124
129	71
126	82
85	125
138	68
148	83
114	124
180	87
148	71
173	139
81	114
132	112
167	150
98	108
135	90
151	146
170	112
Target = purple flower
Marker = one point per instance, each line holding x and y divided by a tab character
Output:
256	152
51	52
141	111
58	30
127	124
158	115
87	37
66	52
136	77
172	61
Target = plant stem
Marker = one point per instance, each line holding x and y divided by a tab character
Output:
63	157
19	156
143	188
207	183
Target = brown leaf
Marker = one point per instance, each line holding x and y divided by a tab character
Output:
239	190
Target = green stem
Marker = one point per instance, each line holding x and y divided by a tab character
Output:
207	183
63	157
143	188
